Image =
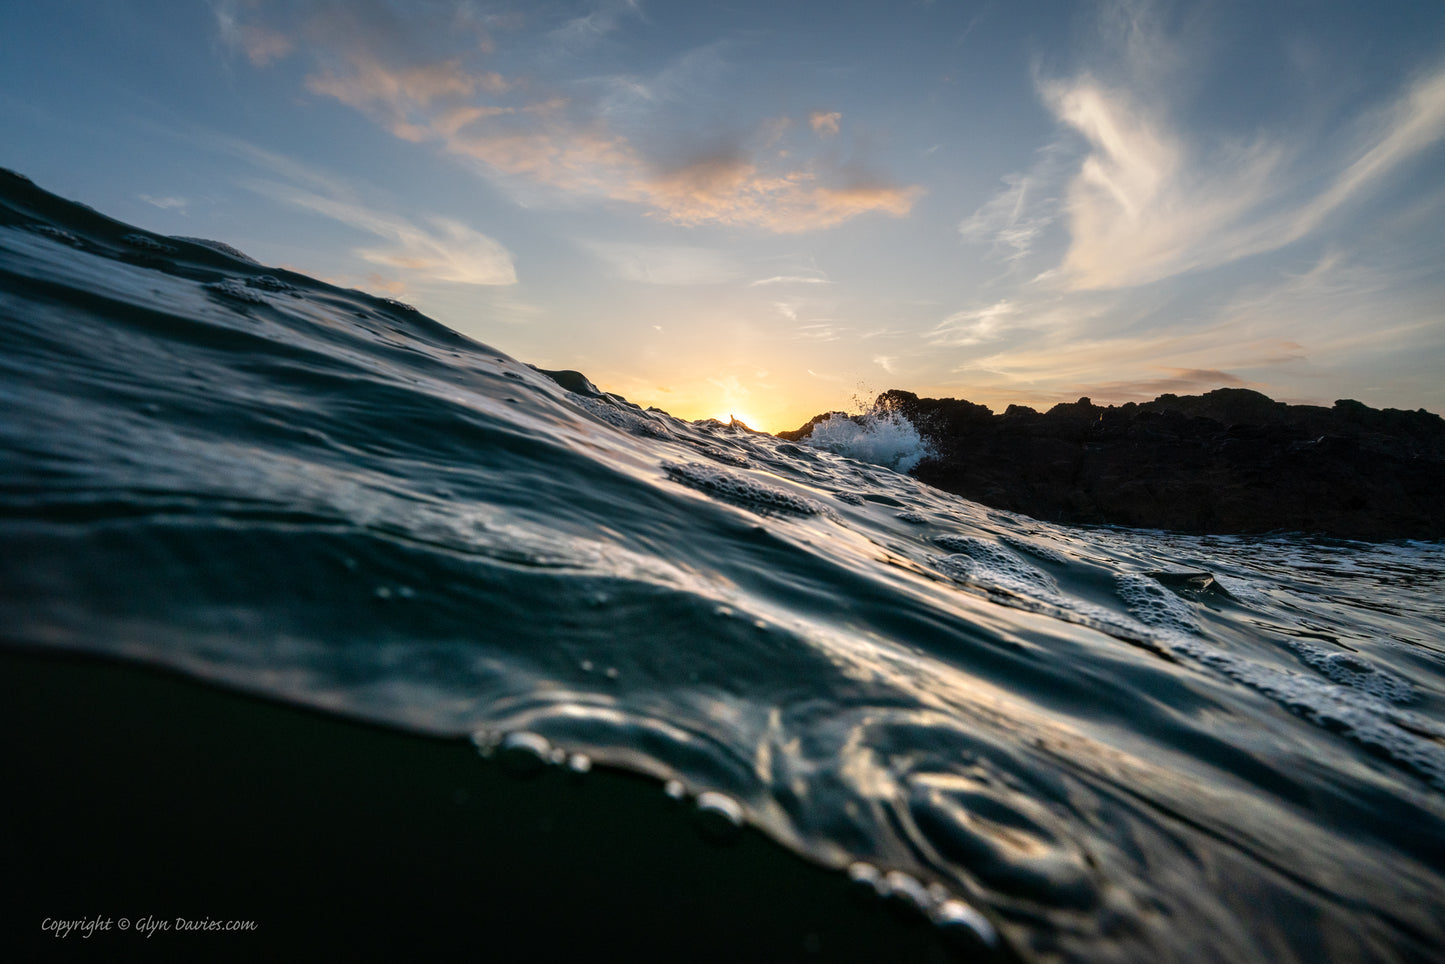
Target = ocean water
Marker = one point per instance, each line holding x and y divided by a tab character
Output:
1075	744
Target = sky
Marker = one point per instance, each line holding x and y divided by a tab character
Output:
775	209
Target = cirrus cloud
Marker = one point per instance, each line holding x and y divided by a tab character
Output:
441	249
1147	198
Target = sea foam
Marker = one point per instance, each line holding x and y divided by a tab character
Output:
882	438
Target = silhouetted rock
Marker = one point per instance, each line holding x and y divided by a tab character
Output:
1228	461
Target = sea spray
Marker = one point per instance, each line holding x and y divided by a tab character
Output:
878	436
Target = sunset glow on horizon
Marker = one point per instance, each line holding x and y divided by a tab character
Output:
772	211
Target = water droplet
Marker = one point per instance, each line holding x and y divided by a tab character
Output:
383	592
675	790
406	592
524	754
719	816
612	672
965	928
587	666
485	741
906	892
864	879
579	763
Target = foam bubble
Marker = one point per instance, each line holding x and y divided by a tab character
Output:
268	282
1352	669
233	289
719	454
147	243
57	234
741	489
981	561
1356	707
1035	549
634	423
1153	605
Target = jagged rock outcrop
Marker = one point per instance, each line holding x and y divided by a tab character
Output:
1229	461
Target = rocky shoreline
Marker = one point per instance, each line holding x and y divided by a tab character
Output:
1231	461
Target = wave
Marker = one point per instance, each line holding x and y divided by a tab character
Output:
1079	744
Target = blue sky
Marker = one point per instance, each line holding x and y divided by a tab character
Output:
770	208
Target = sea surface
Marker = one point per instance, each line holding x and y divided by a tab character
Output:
1079	744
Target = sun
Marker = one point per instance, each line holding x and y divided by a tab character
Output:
750	421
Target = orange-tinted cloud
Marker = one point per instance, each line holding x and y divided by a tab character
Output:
557	145
732	190
823	124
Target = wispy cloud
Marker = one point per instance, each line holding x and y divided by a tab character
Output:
733	190
790	279
1014	219
260	44
1146	204
440	249
1302	327
686	78
665	264
1141	207
604	17
168	203
511	130
402	99
1178	381
1143	366
821	331
973	326
824	124
1148	198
